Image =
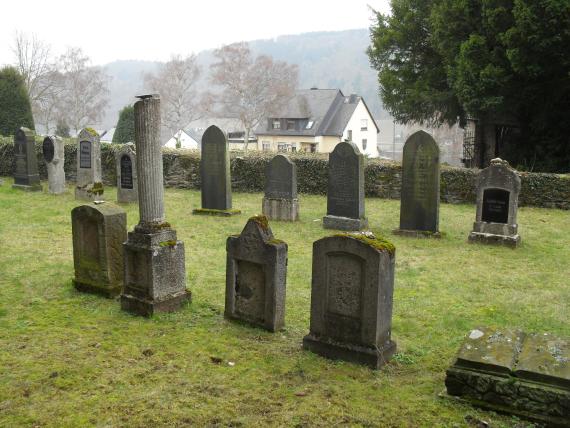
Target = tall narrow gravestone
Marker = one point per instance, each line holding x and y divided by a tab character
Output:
351	299
419	207
89	183
256	274
345	192
280	201
498	188
99	231
155	275
54	156
26	175
125	159
215	175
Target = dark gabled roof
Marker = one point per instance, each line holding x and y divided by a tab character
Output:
329	110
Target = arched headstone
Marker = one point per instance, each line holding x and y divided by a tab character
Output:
280	201
127	187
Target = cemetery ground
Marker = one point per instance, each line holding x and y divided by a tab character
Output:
74	359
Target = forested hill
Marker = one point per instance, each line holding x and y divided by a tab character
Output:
335	59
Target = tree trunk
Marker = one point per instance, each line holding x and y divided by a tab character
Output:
246	139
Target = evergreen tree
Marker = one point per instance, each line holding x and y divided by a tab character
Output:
15	108
125	130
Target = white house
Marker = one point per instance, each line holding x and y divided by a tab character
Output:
316	120
185	139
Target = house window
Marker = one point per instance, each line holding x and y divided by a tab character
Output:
309	124
364	143
349	135
266	146
293	147
281	147
276	124
364	124
290	125
313	148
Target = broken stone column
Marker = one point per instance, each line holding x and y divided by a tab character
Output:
155	275
54	155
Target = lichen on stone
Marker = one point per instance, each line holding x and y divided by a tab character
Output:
171	243
261	220
368	238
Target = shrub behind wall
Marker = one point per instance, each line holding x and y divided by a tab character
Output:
383	179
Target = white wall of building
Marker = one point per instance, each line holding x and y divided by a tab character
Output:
186	142
355	124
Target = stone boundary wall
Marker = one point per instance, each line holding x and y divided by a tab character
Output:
383	179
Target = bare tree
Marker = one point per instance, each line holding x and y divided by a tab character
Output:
83	98
176	84
253	88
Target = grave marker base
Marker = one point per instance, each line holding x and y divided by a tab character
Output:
417	233
371	357
492	239
214	212
344	223
110	291
147	308
281	209
30	188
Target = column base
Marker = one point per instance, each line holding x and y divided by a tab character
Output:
344	223
371	357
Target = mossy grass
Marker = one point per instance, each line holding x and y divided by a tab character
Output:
74	359
215	212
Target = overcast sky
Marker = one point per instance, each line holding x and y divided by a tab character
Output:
153	30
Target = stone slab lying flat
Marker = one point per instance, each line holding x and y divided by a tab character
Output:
508	371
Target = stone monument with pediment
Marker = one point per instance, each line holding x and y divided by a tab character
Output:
26	176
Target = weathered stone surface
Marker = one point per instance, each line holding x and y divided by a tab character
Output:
345	191
54	156
256	273
280	201
419	208
155	273
26	175
99	231
215	171
89	183
529	379
498	188
127	182
351	299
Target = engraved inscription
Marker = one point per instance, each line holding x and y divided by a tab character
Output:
21	164
495	206
84	154
250	290
344	278
126	172
89	241
48	150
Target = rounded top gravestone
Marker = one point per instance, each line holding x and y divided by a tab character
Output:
215	170
281	178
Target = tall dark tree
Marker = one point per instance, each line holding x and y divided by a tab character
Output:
125	131
15	108
498	61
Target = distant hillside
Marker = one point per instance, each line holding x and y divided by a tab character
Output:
335	59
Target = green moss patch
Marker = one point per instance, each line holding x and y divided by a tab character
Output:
377	242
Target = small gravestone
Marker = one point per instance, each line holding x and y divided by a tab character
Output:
155	273
510	371
351	299
280	201
498	188
419	207
99	230
26	175
256	274
345	191
215	175
127	187
54	156
89	183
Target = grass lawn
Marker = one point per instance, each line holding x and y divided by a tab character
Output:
72	359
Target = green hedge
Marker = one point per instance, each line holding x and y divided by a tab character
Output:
383	179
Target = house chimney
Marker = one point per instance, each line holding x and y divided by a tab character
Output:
353	98
314	88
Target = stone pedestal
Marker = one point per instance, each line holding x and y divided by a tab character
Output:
344	223
54	155
26	175
155	275
99	231
509	371
351	299
498	188
281	209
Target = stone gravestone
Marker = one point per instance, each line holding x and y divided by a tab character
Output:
256	274
280	201
419	207
26	175
215	174
54	156
126	174
155	275
510	371
498	188
99	230
89	183
351	299
345	192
